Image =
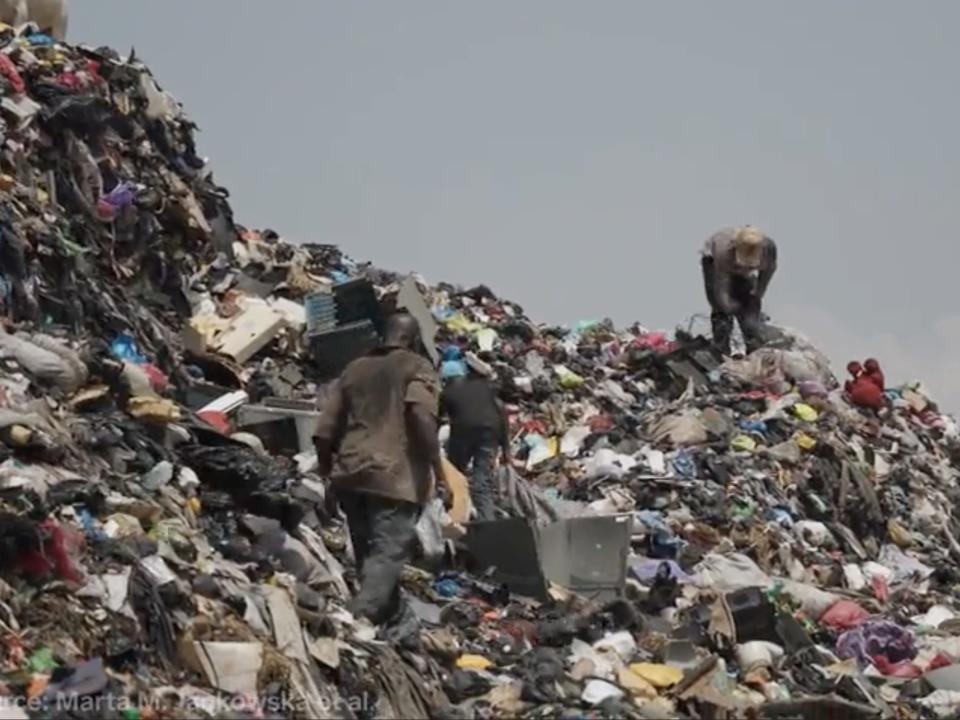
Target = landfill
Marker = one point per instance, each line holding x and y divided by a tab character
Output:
682	535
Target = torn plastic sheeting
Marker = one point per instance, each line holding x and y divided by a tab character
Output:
430	526
46	359
727	573
608	463
542	452
904	567
942	703
572	442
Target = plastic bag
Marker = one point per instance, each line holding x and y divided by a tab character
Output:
430	530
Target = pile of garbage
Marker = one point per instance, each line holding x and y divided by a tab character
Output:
683	535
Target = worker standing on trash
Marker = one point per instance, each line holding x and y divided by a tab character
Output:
738	264
479	431
377	441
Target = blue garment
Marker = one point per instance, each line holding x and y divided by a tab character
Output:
453	369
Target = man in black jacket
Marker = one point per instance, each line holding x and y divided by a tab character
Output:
478	432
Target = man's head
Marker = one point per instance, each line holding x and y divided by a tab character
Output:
871	366
402	331
855	368
748	247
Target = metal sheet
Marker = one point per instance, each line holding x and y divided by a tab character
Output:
509	547
410	299
587	554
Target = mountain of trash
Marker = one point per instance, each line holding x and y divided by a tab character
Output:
683	535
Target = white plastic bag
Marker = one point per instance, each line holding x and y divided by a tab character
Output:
430	529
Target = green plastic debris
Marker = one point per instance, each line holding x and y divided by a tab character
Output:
42	661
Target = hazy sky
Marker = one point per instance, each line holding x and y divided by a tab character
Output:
575	155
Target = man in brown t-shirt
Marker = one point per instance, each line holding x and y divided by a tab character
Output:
377	441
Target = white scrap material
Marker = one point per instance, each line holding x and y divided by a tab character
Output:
572	441
117	586
935	616
598	691
158	570
227	403
231	666
854	577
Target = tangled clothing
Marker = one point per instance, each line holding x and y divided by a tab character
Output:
365	420
383	532
866	389
872	370
46	359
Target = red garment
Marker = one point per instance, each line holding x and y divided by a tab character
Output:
55	556
873	371
864	393
158	380
941	660
904	669
844	615
10	72
656	341
881	590
601	423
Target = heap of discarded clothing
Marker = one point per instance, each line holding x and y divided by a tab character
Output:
683	535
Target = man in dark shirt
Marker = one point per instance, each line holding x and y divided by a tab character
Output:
377	441
478	429
738	264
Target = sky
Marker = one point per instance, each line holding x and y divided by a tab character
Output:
574	156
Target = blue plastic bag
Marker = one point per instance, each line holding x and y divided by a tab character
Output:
124	348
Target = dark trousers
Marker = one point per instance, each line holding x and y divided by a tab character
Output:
383	533
479	447
749	311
